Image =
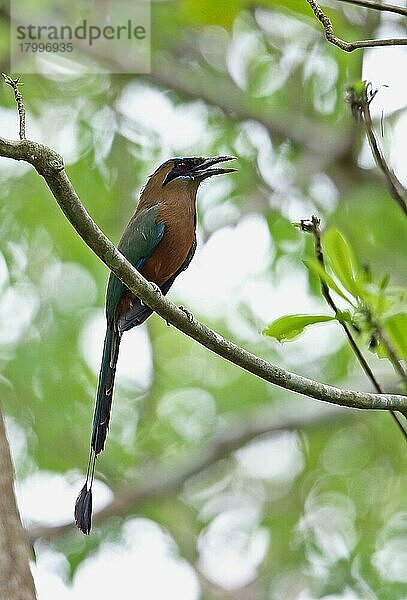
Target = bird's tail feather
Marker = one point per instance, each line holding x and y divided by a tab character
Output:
101	418
104	396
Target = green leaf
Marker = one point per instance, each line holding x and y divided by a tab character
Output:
358	88
343	316
342	260
315	267
384	282
290	326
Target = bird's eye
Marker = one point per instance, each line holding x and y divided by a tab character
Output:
182	166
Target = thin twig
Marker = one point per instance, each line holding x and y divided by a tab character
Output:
349	46
313	226
360	100
399	10
14	83
396	189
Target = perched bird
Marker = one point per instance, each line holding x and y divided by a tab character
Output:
160	242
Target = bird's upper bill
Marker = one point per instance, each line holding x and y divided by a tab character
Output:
199	168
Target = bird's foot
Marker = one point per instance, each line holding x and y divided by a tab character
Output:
188	314
155	287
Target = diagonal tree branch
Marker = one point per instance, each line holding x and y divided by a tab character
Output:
50	165
349	46
170	480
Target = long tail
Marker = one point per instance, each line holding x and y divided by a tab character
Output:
101	418
104	397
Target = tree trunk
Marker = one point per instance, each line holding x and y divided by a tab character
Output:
16	582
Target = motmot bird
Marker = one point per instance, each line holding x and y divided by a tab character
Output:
159	241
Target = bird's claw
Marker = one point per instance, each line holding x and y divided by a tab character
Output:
155	287
157	290
188	314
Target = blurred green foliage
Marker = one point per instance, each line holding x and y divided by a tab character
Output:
265	87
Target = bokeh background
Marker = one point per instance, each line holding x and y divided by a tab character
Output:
229	505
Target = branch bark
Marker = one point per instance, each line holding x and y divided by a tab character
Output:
349	46
50	165
16	582
399	10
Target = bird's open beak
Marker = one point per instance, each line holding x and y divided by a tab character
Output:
204	169
198	168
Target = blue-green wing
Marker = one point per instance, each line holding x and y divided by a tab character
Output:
138	242
139	311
